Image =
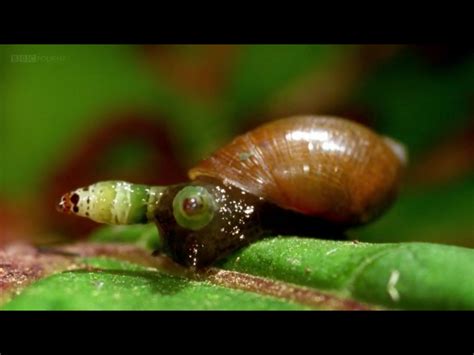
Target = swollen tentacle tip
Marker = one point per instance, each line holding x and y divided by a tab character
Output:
66	203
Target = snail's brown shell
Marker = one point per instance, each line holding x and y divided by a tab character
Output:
322	166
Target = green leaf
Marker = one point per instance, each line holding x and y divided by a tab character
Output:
275	273
405	275
428	276
122	285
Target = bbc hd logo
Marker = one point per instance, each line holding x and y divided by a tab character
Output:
23	58
36	58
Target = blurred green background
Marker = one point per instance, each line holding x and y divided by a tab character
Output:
71	115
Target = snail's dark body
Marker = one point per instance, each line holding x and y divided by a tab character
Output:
301	175
241	219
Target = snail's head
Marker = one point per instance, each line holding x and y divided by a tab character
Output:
202	221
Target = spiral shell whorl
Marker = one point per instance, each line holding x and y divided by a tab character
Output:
323	166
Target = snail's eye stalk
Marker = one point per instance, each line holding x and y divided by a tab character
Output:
193	207
112	202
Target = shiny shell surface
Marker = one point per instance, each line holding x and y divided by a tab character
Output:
322	166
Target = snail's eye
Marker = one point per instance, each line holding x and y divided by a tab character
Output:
193	207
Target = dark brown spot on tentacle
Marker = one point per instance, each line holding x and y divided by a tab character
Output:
75	198
75	209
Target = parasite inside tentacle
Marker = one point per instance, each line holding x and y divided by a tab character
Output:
112	202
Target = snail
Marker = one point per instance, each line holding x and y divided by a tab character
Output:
303	174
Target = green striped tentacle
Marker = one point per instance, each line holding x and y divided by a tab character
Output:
113	202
